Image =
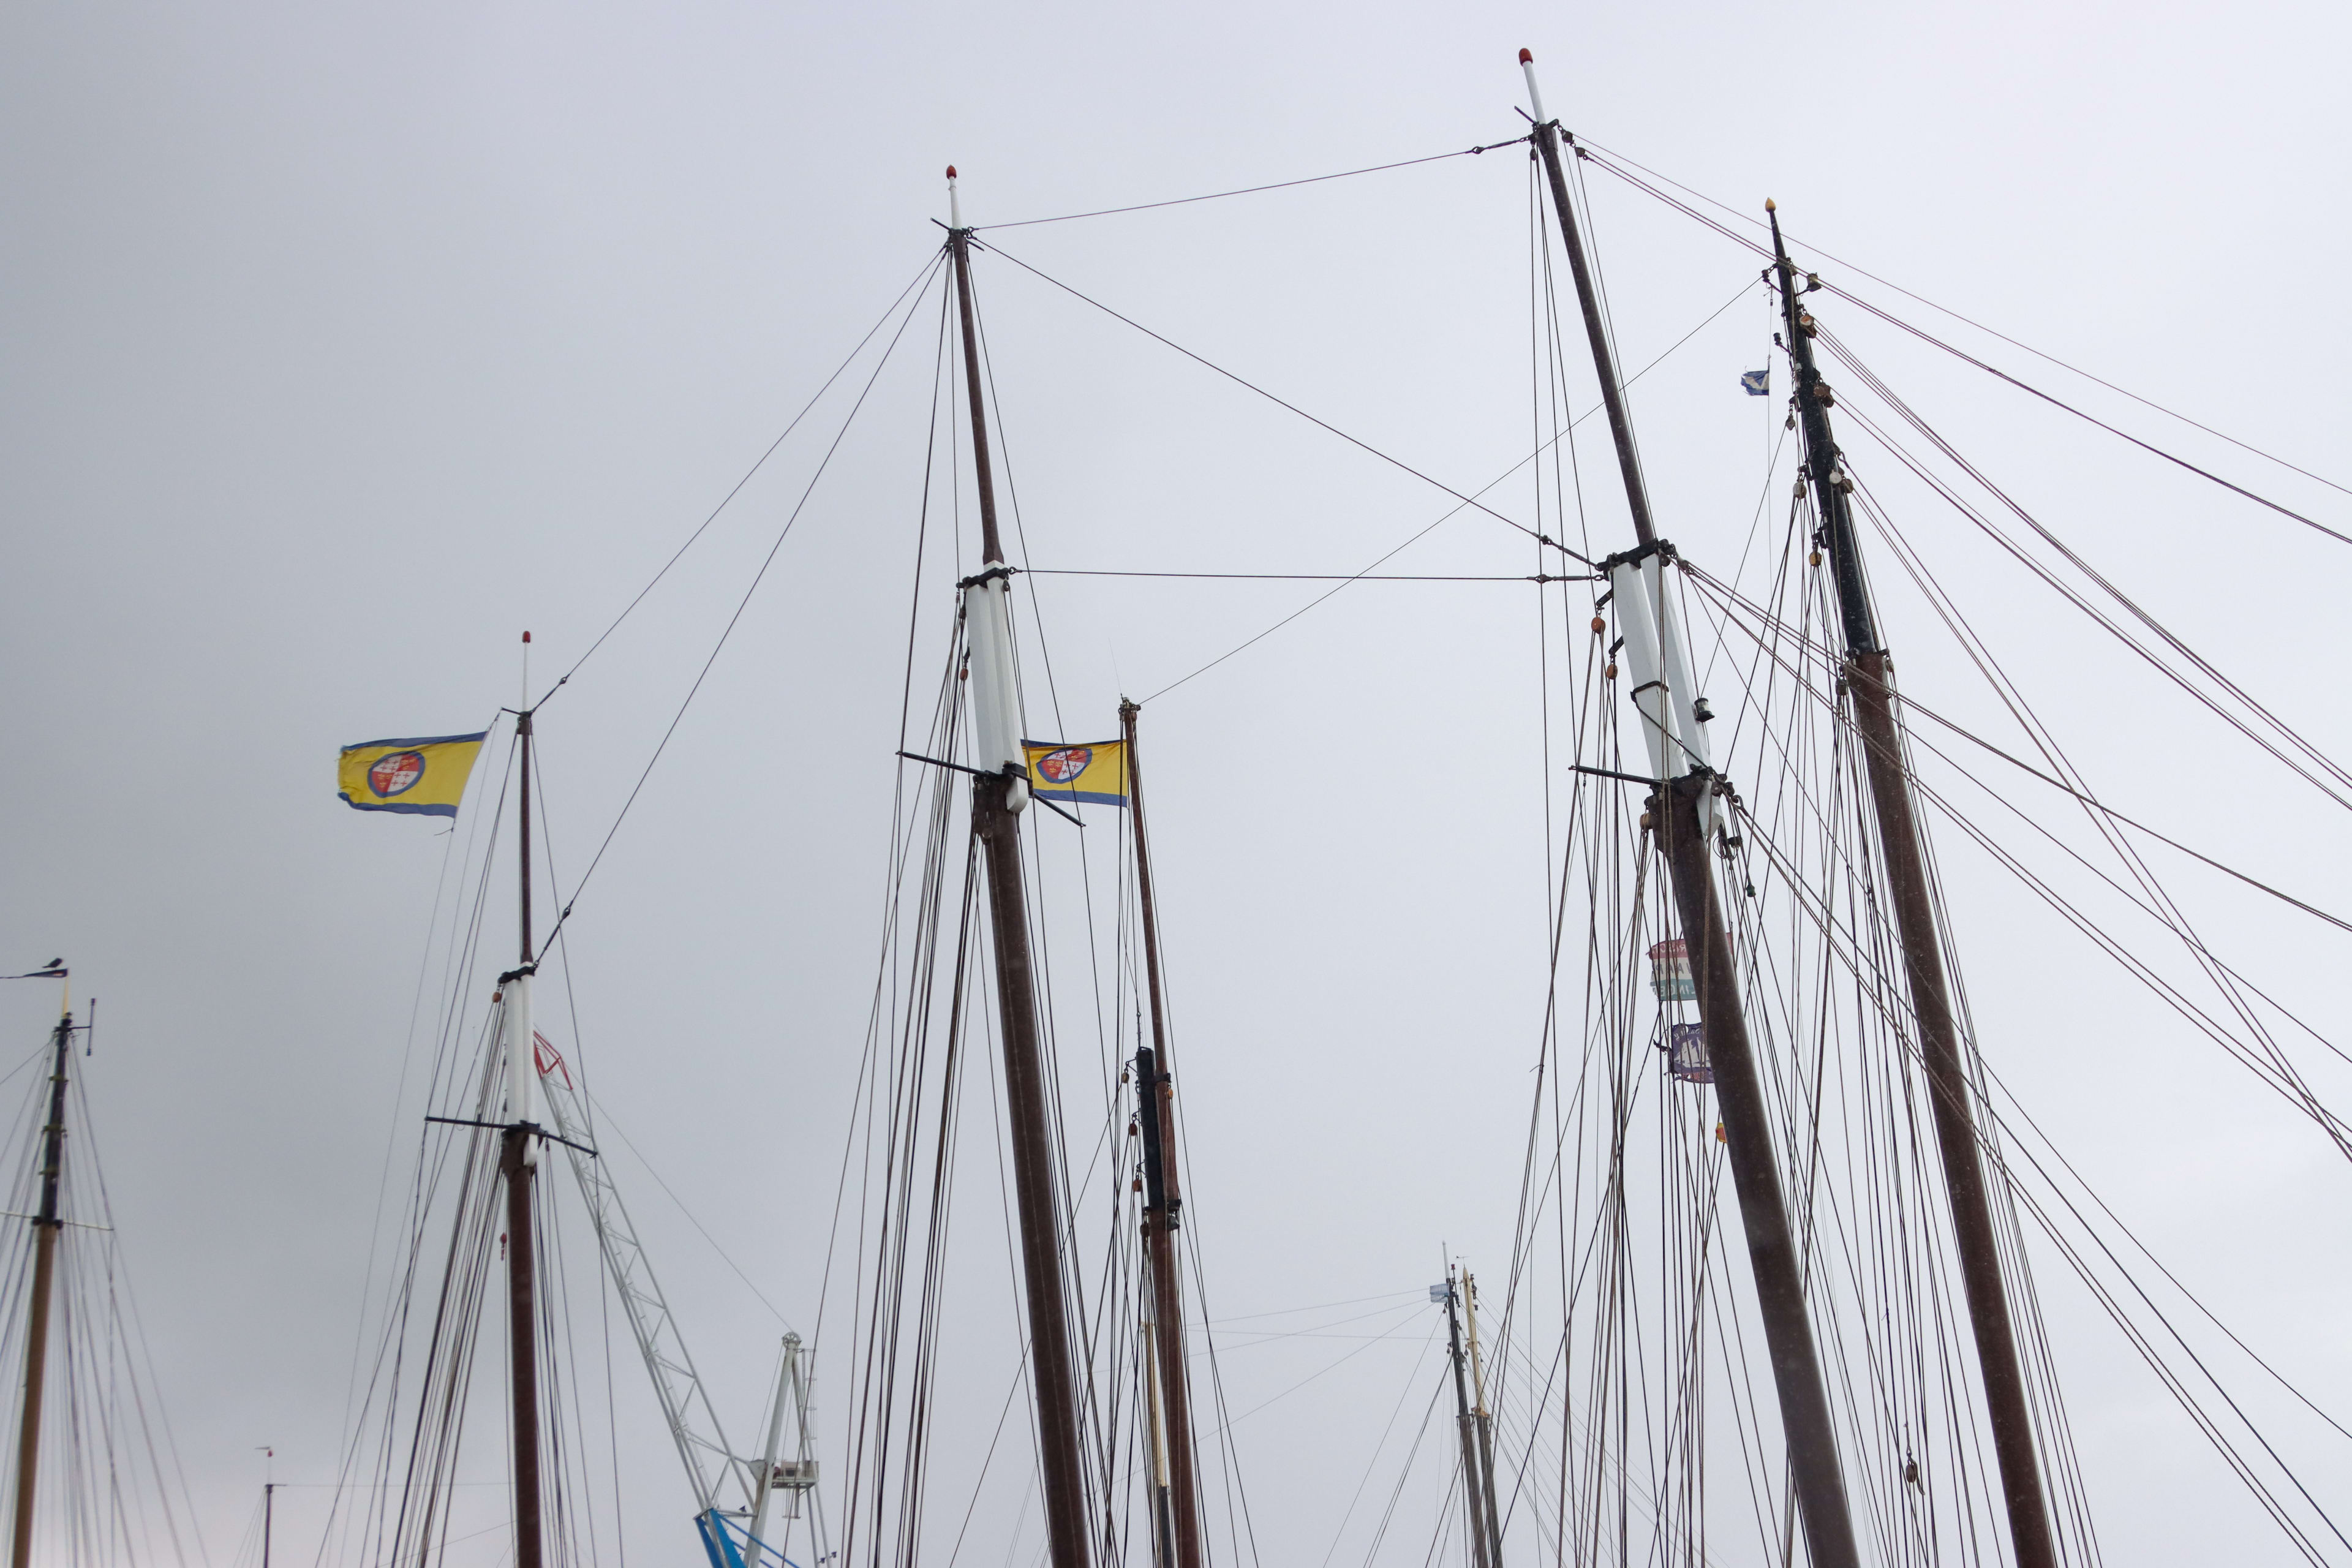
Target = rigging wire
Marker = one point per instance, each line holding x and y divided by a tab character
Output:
1906	1219
1297	576
1254	190
605	1122
733	620
2283	731
1999	374
1766	838
921	277
1562	436
2274	1073
1588	149
1911	705
1283	403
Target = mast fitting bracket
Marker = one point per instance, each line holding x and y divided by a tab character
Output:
533	1127
1663	549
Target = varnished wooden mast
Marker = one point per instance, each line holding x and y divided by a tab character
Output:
1155	1095
517	1162
1465	1420
1677	817
996	823
1869	681
46	1225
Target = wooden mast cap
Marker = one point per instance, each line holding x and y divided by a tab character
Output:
1770	206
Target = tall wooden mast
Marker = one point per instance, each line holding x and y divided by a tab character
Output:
519	1161
997	799
1869	681
1164	1199
1681	811
46	1225
1485	1423
1474	1492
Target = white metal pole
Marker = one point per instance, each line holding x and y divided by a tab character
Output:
1535	94
764	1485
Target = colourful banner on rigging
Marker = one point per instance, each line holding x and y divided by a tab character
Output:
1670	971
1687	1054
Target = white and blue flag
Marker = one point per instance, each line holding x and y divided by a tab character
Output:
1757	382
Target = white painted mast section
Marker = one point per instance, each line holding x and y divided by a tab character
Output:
522	1071
988	643
1674	651
1657	657
1681	691
1639	629
1656	651
996	704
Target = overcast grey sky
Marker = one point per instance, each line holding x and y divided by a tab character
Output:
343	342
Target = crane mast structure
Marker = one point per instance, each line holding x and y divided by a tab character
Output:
714	1469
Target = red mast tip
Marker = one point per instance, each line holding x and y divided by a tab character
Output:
526	637
951	171
1527	57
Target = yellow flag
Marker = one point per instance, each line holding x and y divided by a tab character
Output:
424	776
1094	771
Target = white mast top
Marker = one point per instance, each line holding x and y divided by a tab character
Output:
955	210
1534	93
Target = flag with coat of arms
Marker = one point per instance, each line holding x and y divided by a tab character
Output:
423	776
1094	772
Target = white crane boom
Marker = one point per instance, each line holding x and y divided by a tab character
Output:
702	1445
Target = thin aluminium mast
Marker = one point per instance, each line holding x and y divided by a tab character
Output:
1682	809
998	795
1869	683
